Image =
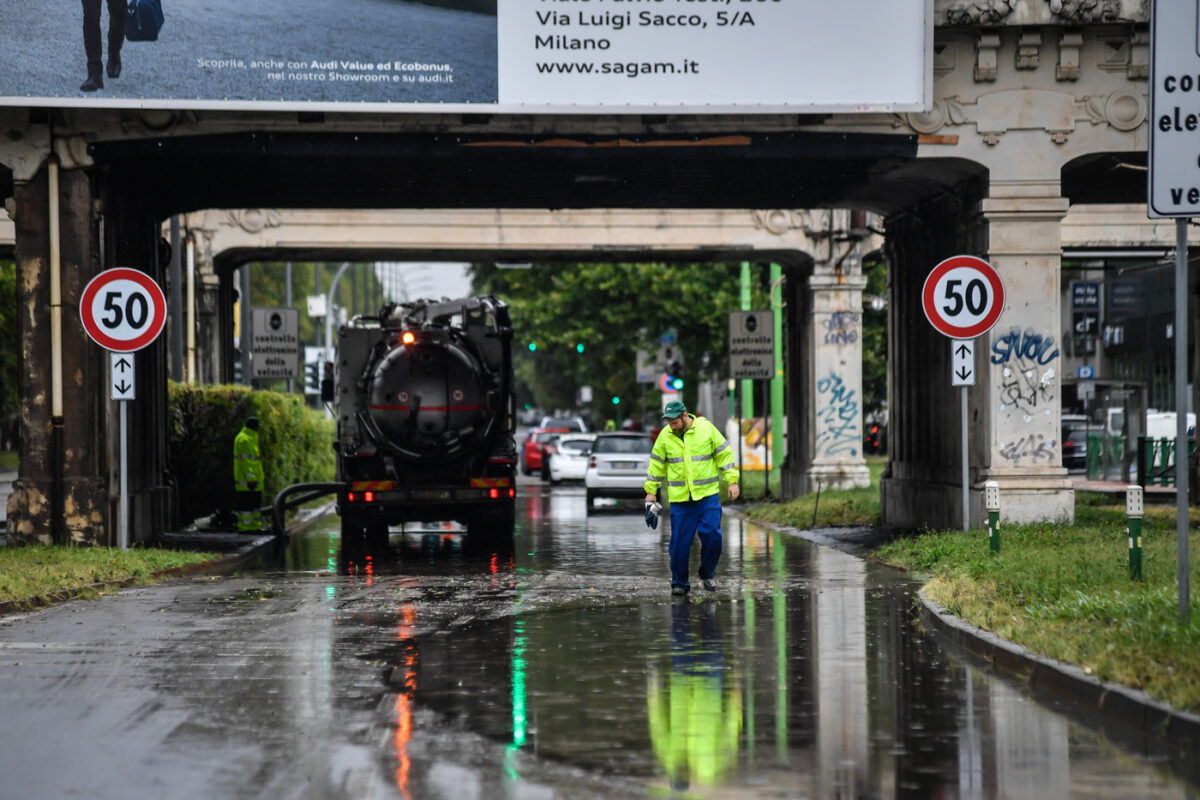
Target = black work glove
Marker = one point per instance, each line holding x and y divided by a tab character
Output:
652	510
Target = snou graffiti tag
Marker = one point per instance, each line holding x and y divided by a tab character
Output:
1026	381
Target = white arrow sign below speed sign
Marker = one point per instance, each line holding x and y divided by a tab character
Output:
963	297
123	310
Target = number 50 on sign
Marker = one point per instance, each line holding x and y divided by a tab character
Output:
123	310
963	297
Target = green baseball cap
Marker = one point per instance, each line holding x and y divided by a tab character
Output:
674	409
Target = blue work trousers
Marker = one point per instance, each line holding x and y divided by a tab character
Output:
689	518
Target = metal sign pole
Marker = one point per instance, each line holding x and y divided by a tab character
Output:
1181	439
966	493
123	513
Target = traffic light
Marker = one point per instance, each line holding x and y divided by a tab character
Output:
532	346
616	401
675	375
579	347
312	377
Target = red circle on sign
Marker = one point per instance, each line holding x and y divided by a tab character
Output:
949	319
156	304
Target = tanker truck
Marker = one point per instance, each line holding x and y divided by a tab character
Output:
423	401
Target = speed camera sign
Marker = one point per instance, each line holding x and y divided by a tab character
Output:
963	297
123	310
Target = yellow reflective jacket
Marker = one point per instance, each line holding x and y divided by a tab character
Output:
247	464
692	464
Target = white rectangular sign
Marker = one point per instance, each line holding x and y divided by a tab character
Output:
1174	177
962	362
752	345
121	376
503	56
274	343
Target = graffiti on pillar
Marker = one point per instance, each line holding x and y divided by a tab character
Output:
1027	380
842	327
837	417
1027	346
1034	447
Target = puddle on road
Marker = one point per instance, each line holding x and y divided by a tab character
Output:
805	675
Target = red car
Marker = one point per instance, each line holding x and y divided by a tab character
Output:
535	445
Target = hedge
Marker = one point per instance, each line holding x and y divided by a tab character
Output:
296	443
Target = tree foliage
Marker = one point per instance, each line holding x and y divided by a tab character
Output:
874	346
614	309
8	339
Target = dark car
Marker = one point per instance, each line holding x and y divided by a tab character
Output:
1075	443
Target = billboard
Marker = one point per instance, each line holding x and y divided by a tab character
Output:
501	56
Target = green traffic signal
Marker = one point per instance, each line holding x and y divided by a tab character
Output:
677	383
532	346
579	347
616	401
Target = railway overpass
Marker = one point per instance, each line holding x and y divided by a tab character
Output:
1038	108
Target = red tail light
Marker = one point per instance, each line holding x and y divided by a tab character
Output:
369	497
512	492
352	497
593	464
493	493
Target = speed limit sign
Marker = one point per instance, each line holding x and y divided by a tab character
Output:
963	297
123	310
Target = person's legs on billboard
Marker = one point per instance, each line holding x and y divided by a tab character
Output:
91	46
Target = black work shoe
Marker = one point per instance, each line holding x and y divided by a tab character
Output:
710	584
93	82
114	66
678	590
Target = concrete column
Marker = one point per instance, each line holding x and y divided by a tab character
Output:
1017	402
833	356
86	511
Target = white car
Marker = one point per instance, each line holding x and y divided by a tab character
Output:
568	456
617	466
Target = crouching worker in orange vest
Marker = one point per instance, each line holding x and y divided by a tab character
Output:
247	478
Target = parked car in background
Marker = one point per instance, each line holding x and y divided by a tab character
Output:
566	457
574	423
1075	442
535	441
617	466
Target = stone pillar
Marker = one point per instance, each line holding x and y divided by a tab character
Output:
86	510
833	356
1017	402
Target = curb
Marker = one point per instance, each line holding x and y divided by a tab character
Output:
1128	715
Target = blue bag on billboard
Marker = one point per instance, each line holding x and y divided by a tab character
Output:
143	19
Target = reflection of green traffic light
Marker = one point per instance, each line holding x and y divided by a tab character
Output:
532	346
579	347
616	400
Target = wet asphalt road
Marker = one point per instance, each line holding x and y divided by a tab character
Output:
559	669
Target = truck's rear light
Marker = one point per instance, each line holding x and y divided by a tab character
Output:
369	497
365	497
351	495
512	492
493	493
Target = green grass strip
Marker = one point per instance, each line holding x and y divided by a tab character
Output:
1064	591
32	575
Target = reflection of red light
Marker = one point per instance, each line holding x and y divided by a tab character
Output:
494	567
494	493
404	723
369	497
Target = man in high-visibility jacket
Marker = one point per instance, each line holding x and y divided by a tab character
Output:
692	456
247	478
